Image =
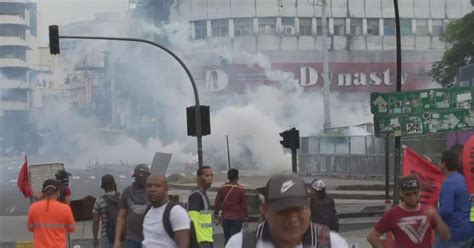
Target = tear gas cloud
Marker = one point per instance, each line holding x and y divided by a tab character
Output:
252	120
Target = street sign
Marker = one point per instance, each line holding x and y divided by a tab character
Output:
423	123
421	100
423	111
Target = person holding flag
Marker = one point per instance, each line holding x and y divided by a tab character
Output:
23	181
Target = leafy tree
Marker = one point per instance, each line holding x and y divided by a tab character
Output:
460	35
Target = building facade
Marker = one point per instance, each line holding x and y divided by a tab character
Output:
361	40
17	40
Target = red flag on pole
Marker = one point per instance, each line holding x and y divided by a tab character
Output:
468	163
430	176
24	180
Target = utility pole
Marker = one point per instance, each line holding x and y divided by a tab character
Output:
397	150
327	109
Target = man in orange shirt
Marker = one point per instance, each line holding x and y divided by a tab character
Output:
50	219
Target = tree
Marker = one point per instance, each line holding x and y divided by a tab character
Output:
460	35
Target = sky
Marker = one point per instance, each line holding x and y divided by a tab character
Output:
61	12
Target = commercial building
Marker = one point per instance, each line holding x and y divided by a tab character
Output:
17	40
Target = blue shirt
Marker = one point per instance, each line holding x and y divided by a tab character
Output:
454	206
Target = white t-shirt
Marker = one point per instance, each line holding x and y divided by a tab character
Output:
154	232
236	242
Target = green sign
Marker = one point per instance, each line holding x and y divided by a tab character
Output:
421	100
423	111
426	122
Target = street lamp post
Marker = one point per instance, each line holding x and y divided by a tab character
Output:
54	34
327	110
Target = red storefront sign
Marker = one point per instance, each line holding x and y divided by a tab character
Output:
344	77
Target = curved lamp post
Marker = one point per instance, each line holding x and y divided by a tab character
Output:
54	49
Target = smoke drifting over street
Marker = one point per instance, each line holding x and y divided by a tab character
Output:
252	118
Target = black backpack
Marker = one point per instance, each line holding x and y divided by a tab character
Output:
193	243
111	212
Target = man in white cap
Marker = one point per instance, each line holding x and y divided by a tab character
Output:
287	219
323	209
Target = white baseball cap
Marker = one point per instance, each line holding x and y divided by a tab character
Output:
318	185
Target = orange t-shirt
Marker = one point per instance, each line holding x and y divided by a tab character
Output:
50	221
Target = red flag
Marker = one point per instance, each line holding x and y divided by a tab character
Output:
430	176
24	180
468	163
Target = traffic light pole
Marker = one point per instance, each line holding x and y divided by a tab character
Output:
294	166
186	69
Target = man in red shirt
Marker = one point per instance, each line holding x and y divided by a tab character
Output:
411	223
232	205
50	219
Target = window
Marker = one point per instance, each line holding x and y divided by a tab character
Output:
220	28
421	27
305	26
437	27
405	27
243	26
389	27
200	29
12	53
339	26
356	26
267	25
373	26
15	95
319	26
288	25
12	31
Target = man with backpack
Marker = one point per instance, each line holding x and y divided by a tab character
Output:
133	206
287	219
106	210
166	223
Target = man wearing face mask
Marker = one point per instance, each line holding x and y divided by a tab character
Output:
133	206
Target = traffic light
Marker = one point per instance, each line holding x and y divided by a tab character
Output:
54	39
291	139
205	120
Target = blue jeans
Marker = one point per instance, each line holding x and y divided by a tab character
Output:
105	243
465	243
231	227
128	243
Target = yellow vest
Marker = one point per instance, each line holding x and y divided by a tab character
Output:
202	221
472	208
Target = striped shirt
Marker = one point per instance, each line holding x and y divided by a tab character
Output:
100	207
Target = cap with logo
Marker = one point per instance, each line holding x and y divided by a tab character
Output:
409	184
318	185
141	168
285	191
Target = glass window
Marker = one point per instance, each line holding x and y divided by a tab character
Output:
220	28
373	26
305	26
267	25
319	26
437	27
405	27
288	25
12	31
389	27
200	29
339	26
243	26
421	27
12	53
356	26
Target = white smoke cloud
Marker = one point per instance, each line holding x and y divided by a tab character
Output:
252	120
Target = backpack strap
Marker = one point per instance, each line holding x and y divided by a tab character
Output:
166	218
249	238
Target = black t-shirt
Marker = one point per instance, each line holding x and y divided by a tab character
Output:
135	201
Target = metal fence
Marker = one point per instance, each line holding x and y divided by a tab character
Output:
359	155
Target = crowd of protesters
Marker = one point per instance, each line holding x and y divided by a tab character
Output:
294	214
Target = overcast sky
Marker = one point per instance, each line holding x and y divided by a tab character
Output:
63	12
